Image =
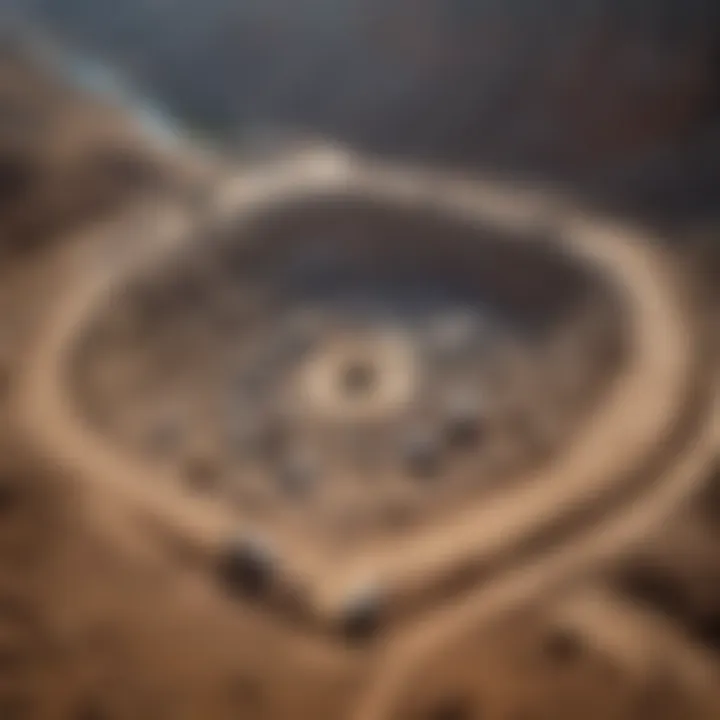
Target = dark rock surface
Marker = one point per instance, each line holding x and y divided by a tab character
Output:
569	88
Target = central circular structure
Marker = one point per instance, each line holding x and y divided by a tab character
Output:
361	377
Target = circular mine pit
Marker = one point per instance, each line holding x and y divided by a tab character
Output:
351	317
386	374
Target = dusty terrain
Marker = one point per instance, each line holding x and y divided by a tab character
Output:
564	566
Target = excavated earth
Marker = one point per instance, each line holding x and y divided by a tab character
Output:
332	438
